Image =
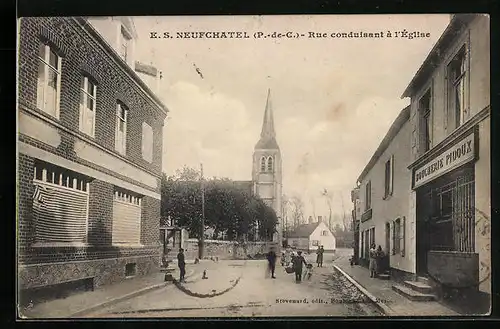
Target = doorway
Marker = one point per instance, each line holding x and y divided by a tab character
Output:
445	216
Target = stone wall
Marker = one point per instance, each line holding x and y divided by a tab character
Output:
226	249
102	271
454	269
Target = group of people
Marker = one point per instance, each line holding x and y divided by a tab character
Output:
376	256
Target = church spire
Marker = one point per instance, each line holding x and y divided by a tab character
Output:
268	135
268	123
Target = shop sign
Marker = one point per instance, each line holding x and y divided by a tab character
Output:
453	157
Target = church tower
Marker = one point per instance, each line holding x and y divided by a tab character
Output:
266	174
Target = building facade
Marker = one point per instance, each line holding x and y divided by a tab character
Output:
450	157
382	198
266	172
89	159
308	237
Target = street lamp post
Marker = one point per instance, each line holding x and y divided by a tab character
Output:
201	242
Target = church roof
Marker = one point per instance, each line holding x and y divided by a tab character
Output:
268	135
304	230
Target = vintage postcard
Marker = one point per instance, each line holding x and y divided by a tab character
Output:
253	166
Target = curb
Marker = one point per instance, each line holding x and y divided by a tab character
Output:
122	298
379	305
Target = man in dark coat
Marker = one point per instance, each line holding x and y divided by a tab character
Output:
297	266
319	258
271	260
182	264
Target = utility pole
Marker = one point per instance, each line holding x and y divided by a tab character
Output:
201	241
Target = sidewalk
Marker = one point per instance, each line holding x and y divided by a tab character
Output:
85	302
389	301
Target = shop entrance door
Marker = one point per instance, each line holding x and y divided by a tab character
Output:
445	215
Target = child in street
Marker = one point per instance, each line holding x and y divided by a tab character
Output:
308	272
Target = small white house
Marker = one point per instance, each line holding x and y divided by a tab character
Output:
309	237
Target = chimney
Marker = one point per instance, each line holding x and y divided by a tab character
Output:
320	219
310	219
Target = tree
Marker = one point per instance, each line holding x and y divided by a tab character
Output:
297	207
229	211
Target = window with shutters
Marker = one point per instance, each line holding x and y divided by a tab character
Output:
147	142
88	89
127	208
60	205
121	128
49	80
458	91
389	177
425	115
396	237
368	195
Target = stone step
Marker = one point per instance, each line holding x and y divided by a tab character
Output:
384	276
412	294
423	279
419	286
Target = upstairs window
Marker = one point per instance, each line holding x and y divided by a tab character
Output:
424	106
263	164
389	177
147	142
88	90
121	128
457	88
49	80
324	233
270	164
368	195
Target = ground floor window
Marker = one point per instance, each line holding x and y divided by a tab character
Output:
60	204
127	208
367	244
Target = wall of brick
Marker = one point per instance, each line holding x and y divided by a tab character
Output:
226	249
83	55
100	225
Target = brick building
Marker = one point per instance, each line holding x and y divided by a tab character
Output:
89	160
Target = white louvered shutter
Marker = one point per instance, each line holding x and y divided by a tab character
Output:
126	222
62	216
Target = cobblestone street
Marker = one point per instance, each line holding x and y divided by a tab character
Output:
328	293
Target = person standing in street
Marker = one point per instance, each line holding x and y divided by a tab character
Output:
319	257
297	266
373	261
271	260
182	265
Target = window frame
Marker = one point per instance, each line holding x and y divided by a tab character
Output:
47	67
270	164
121	147
47	175
451	87
368	195
147	155
263	164
84	108
426	120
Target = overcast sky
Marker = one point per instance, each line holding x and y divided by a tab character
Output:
333	99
